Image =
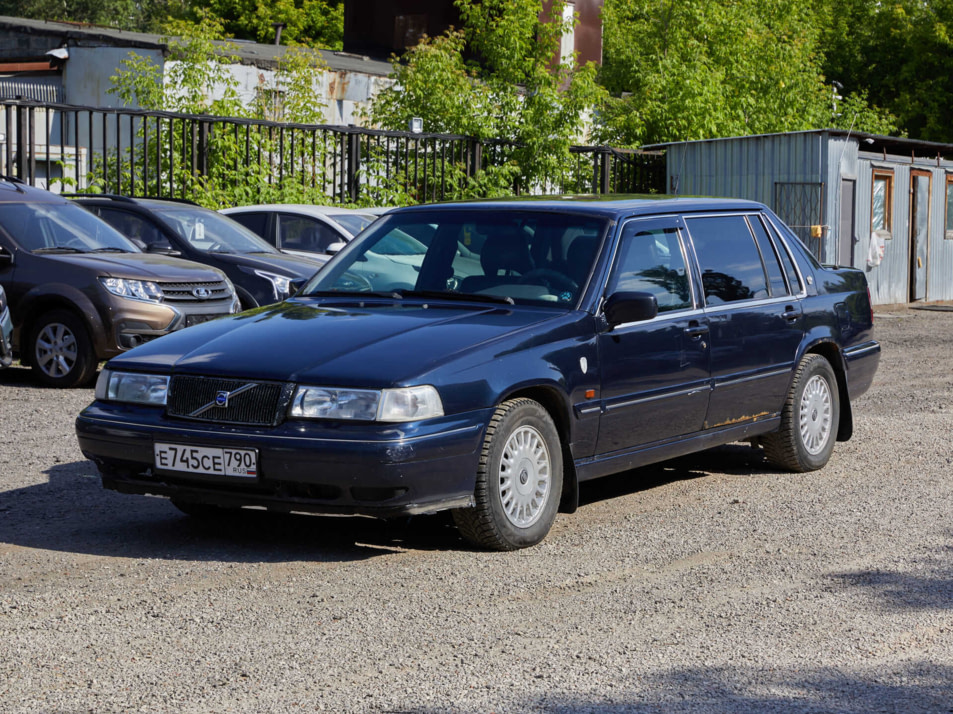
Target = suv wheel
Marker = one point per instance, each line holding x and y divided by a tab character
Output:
61	352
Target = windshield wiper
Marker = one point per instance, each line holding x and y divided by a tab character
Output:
110	250
469	297
354	294
59	249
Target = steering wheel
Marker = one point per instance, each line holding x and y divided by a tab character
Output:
554	280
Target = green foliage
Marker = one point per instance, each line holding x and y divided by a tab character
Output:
141	15
695	69
207	161
900	53
518	93
314	23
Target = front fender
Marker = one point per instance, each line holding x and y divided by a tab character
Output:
52	296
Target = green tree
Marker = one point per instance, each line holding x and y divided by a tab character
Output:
518	92
900	53
692	69
313	23
196	81
141	15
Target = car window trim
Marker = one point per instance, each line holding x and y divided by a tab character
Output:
689	268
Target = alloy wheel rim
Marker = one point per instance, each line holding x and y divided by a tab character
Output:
816	417
525	476
56	350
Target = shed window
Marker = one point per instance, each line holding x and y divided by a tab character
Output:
949	207
881	205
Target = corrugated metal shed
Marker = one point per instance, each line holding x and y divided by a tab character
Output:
821	184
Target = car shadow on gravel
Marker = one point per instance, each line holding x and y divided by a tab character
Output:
915	686
732	459
73	513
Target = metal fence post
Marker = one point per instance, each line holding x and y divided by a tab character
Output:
354	166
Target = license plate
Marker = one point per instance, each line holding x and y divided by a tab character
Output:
207	460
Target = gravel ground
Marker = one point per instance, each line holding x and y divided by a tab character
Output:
711	583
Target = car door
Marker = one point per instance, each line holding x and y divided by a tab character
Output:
754	317
655	374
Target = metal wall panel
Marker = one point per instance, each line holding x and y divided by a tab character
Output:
940	271
754	167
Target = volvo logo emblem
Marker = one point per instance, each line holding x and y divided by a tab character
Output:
202	293
222	398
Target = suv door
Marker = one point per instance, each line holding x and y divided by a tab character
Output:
655	374
753	313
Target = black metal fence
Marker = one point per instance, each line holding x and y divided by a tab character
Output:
169	155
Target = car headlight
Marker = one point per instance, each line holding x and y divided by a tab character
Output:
389	405
132	387
133	289
280	283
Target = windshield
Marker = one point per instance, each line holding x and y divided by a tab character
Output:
211	232
61	228
517	256
353	223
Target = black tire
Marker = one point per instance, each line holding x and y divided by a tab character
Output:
519	480
809	419
61	351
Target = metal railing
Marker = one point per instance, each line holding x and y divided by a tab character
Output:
170	155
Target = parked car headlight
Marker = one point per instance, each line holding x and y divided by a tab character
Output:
281	283
134	289
389	405
132	387
410	404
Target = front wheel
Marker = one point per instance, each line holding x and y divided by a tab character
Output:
809	419
62	353
519	479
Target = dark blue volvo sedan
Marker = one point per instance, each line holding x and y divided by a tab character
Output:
488	357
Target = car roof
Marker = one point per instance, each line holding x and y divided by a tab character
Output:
302	208
116	200
13	190
613	207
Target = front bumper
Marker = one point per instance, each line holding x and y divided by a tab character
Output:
380	469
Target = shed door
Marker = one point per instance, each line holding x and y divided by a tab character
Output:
919	232
846	230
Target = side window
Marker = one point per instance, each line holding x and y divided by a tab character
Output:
881	204
133	226
769	254
651	260
729	259
255	221
301	233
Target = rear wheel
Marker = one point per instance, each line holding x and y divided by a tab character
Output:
61	351
519	479
809	419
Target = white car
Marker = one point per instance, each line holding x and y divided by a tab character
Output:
316	231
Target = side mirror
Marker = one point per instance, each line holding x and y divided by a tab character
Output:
335	247
620	308
296	285
140	244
